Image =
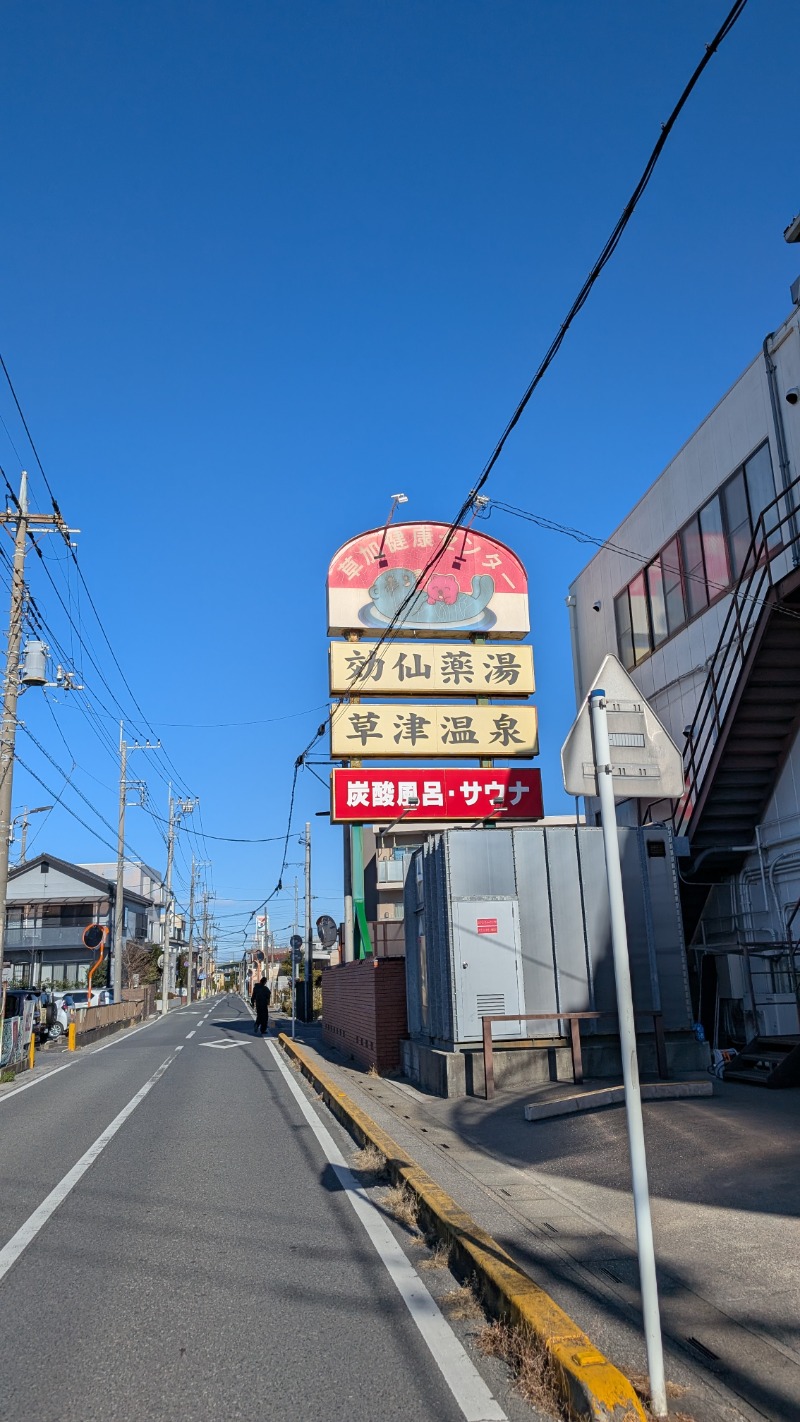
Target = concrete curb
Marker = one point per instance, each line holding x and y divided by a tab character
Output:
615	1096
590	1386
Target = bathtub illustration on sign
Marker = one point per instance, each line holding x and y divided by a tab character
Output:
438	603
442	583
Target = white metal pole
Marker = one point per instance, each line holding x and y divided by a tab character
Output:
630	1066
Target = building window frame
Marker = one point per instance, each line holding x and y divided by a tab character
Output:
645	625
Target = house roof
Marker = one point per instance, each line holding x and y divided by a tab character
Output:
102	885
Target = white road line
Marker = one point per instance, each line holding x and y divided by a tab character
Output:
35	1080
125	1036
191	1034
45	1075
459	1372
29	1230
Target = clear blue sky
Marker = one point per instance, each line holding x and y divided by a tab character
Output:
264	264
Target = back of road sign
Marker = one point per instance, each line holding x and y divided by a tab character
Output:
646	763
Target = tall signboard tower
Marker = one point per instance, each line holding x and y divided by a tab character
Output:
430	668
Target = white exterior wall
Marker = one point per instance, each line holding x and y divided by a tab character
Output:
673	676
35	887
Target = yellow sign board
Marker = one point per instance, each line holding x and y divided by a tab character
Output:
414	731
430	669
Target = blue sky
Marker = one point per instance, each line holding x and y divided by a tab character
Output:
264	264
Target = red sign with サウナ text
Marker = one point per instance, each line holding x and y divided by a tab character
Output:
370	796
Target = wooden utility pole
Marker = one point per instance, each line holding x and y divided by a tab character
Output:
25	524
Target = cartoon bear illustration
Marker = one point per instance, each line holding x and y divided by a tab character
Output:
442	587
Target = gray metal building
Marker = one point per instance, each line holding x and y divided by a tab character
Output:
513	921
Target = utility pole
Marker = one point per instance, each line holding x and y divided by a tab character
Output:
190	954
119	893
166	952
26	523
294	958
177	809
309	993
204	956
8	732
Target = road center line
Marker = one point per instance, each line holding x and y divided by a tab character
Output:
459	1372
29	1230
191	1034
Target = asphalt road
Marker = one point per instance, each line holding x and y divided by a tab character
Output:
174	1244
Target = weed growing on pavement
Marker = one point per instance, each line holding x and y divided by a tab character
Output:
400	1202
439	1257
641	1386
531	1366
372	1070
461	1303
370	1161
7	1076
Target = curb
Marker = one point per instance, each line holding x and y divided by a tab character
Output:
590	1386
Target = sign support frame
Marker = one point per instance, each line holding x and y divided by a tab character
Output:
630	1065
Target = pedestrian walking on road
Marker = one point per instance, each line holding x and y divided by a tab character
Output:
259	1001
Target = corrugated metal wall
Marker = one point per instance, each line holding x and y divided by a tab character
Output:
556	876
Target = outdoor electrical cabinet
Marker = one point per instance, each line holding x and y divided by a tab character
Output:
507	921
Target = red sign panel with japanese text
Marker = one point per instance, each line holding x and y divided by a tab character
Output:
474	584
371	796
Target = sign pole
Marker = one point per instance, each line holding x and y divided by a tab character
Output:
630	1066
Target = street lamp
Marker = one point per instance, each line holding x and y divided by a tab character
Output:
23	820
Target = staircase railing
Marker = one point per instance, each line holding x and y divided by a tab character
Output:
748	599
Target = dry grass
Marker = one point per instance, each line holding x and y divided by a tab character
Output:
370	1161
372	1070
641	1386
400	1202
439	1257
461	1303
532	1368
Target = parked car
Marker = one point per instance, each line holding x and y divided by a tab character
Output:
79	997
50	1018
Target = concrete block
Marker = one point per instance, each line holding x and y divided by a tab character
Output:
614	1096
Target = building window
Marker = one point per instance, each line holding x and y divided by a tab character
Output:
673	587
658	606
622	613
715	549
737	521
700	563
693	568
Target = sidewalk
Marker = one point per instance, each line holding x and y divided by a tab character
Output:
555	1194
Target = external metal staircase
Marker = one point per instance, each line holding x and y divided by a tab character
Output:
767	1061
749	709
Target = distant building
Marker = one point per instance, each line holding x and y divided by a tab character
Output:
49	904
698	593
